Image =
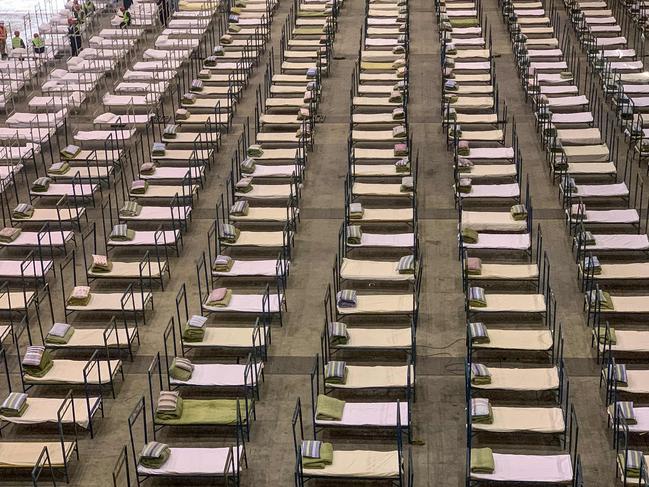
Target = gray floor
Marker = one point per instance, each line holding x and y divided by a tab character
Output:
439	410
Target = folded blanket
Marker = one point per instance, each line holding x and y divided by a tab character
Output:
565	74
619	375
59	334
59	168
406	264
100	263
23	211
158	149
480	374
233	27
329	408
70	151
592	264
317	456
464	165
80	296
170	131
346	298
181	369
398	114
255	150
14	405
469	235
148	168
303	114
194	329
247	166
244	185
601	297
356	211
482	460
464	185
130	209
311	73
473	266
586	238
182	114
633	462
395	97
407	184
481	411
478	333
354	234
189	98
477	297
402	165
41	184
399	63
169	406
121	233
335	372
518	212
463	148
139	186
240	208
197	85
605	340
9	234
450	113
37	361
578	210
204	74
229	233
154	455
222	263
219	296
338	334
218	51
225	39
398	49
626	409
400	150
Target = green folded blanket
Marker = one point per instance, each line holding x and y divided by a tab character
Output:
195	333
181	369
14	405
162	415
469	235
518	212
329	408
482	460
70	151
326	457
612	339
204	412
156	459
43	368
13	413
59	168
57	340
41	185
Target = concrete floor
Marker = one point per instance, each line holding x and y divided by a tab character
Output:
439	410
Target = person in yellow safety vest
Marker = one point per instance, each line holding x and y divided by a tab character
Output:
17	42
88	7
126	18
79	14
38	43
3	40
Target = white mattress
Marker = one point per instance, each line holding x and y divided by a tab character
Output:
522	379
386	240
619	242
241	268
188	462
246	303
529	468
365	464
505	241
219	375
369	414
511	190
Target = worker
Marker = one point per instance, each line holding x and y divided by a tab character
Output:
79	13
74	34
126	18
17	42
38	43
88	7
3	40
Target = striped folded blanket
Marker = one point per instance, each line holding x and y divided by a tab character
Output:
477	297
316	454
14	405
406	264
592	264
480	375
181	369
222	263
59	168
478	332
625	408
619	375
240	208
9	234
23	211
37	361
586	238
41	184
194	329
346	298
170	131
197	85
335	372
229	233
633	462
244	185
154	455
182	114
59	334
189	98
354	234
518	212
338	334
80	296
356	211
158	149
169	406
481	411
130	209
121	233
247	166
398	114
255	150
603	338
